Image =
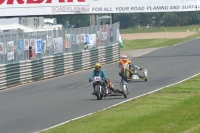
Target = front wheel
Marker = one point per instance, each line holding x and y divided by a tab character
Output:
127	75
98	92
125	90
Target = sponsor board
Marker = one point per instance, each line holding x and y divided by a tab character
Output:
48	7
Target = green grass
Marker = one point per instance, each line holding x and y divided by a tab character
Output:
152	43
160	29
175	109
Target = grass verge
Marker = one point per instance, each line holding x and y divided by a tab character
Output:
171	110
160	29
152	43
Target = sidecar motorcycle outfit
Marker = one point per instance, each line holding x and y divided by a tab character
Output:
124	60
111	87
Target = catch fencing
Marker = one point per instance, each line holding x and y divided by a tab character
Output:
20	69
14	46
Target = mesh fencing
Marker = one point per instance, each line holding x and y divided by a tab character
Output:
16	46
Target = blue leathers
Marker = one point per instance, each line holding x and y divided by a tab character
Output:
98	73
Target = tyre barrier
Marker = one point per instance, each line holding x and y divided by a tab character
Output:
48	67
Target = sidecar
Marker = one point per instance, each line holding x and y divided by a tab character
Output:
137	76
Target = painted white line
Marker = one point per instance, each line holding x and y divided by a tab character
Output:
119	103
64	122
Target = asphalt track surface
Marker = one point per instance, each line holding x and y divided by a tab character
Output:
40	105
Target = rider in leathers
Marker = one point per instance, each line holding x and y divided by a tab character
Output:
99	72
123	60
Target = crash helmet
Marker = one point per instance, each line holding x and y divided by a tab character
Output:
97	66
124	57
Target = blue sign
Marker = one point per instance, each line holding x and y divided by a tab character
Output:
38	46
87	38
20	45
73	39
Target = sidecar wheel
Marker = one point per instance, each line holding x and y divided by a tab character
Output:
145	80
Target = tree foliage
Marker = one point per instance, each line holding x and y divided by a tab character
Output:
75	20
158	19
134	19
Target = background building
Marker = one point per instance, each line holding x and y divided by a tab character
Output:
28	24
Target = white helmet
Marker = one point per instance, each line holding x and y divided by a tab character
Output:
123	57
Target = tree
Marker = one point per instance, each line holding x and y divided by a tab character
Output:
76	20
126	20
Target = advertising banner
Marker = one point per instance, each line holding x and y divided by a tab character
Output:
90	40
78	39
1	48
87	39
82	38
26	44
10	54
42	7
125	6
93	39
73	39
58	45
20	45
52	7
43	3
38	44
67	41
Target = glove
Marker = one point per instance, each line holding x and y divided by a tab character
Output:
90	80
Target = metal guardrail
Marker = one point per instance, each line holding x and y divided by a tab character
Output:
52	66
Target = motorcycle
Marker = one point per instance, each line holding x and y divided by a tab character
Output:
131	75
100	89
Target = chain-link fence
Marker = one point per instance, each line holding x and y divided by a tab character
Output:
18	46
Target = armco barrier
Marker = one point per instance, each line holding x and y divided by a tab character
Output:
53	66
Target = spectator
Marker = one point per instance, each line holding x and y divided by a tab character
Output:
85	46
77	25
30	52
107	36
67	25
107	27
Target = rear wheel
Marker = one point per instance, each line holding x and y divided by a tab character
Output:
98	92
